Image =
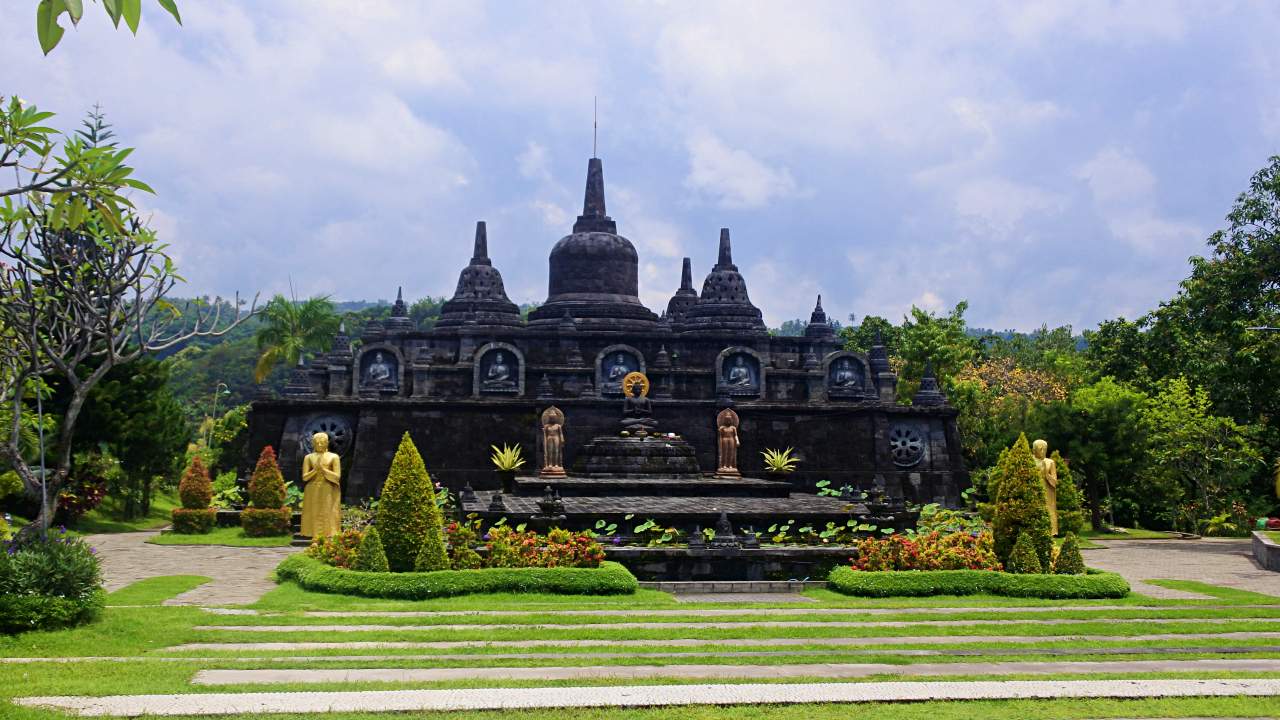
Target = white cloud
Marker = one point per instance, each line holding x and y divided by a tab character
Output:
1124	194
734	178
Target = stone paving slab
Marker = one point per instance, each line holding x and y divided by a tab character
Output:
462	657
239	575
715	671
1217	561
722	625
769	597
713	642
643	696
713	612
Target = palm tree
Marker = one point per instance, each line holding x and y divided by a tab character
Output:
290	329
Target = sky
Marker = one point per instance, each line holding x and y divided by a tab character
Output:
1050	163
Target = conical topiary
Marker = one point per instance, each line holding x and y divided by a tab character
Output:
266	515
1023	559
370	555
409	520
1069	561
1020	505
1070	502
195	489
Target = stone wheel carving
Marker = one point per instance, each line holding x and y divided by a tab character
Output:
907	446
339	430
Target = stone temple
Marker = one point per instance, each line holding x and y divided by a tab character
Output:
484	375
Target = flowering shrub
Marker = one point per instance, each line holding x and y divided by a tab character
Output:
48	583
461	538
336	550
569	549
513	547
934	551
88	486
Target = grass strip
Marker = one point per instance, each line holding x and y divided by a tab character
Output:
155	590
229	536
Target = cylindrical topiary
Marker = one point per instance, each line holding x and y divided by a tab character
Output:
195	517
1069	560
408	518
1070	501
1020	505
1024	560
370	555
266	515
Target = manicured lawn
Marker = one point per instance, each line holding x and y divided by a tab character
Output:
233	536
156	590
106	518
1128	534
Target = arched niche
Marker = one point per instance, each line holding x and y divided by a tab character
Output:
847	376
379	369
498	370
612	364
741	371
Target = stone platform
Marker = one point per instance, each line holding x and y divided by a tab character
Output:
698	486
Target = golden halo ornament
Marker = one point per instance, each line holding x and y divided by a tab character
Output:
637	382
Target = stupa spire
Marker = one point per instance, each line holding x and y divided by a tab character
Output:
686	276
399	309
480	254
594	217
725	261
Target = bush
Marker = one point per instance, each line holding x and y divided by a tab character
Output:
608	579
1024	560
370	556
922	583
1020	506
266	485
336	550
195	490
226	490
10	484
461	537
48	583
1071	515
187	521
87	487
933	551
266	522
1069	560
407	513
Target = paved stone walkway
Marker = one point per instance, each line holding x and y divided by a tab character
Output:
718	612
240	575
1218	561
642	696
720	671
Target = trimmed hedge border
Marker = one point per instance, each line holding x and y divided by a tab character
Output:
921	583
21	613
608	579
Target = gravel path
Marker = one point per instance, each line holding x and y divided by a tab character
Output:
1219	561
642	696
240	575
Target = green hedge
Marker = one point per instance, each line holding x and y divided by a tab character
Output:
20	613
608	579
187	521
266	522
920	583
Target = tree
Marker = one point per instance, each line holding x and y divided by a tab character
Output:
1020	507
1069	560
49	12
195	517
1023	558
862	336
370	555
83	280
290	329
995	398
1100	430
1070	503
407	512
1194	455
943	341
266	515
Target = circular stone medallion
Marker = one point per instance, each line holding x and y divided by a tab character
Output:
907	446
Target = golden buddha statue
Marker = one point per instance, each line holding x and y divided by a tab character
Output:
1049	476
322	498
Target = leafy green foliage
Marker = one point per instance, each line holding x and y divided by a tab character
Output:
47	583
1020	506
1070	502
195	490
194	521
507	458
932	551
925	583
929	338
49	28
266	485
266	522
780	461
289	329
407	512
861	337
1069	560
608	579
1023	559
338	550
370	556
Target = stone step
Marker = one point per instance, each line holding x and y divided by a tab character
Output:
659	486
732	587
642	696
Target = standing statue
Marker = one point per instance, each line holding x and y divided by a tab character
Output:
322	499
552	442
1049	476
727	433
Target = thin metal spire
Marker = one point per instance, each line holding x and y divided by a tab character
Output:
595	123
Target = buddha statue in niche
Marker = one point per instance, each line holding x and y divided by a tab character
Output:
843	375
500	375
739	375
379	373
